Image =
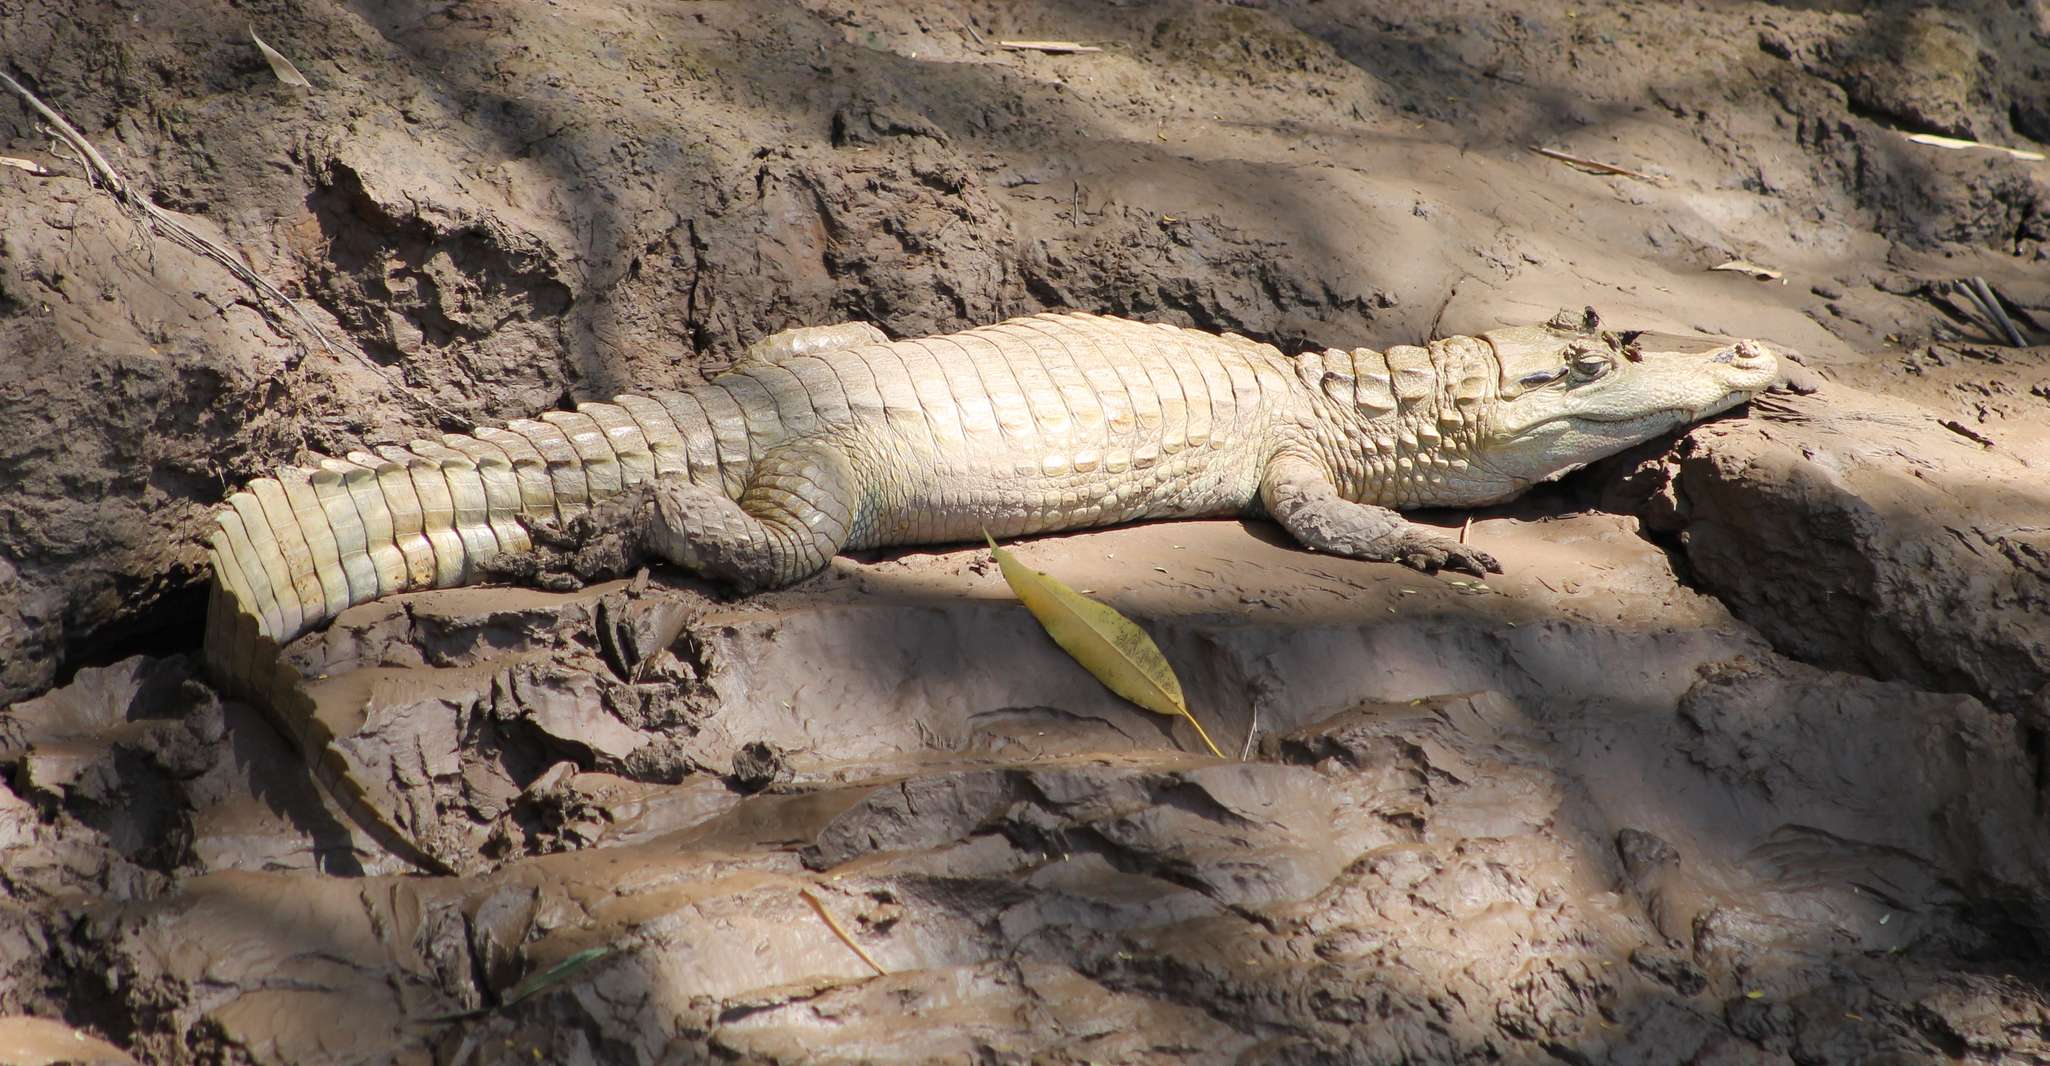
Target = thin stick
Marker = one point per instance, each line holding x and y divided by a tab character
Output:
1463	527
1959	142
160	221
1594	164
64	129
1967	432
1054	47
841	931
1989	304
104	174
1439	318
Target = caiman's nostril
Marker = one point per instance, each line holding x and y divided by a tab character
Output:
1743	353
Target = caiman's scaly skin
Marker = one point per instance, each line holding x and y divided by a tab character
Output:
829	439
833	438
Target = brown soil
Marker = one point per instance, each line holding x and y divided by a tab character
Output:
1743	761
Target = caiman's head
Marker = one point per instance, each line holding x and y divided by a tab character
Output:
1571	392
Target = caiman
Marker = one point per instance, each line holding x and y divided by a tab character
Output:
829	439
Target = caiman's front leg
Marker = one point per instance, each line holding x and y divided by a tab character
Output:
1299	495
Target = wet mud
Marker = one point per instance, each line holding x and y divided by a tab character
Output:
1743	760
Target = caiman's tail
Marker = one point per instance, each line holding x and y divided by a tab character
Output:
295	550
298	549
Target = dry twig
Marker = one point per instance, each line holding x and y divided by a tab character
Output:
1967	432
1745	266
1939	141
841	931
1988	303
1595	165
159	221
1050	47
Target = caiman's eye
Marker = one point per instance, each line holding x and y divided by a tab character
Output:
1590	367
1540	379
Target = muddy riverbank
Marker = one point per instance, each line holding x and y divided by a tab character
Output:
1741	761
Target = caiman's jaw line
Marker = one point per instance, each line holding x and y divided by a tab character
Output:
1680	415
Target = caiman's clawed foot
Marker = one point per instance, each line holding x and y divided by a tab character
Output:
1303	500
1430	553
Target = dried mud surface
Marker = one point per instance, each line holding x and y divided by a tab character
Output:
1743	761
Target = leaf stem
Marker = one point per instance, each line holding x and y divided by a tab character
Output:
1199	732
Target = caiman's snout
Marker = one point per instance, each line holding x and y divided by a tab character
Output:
1570	396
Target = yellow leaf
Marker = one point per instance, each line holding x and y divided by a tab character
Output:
1106	643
